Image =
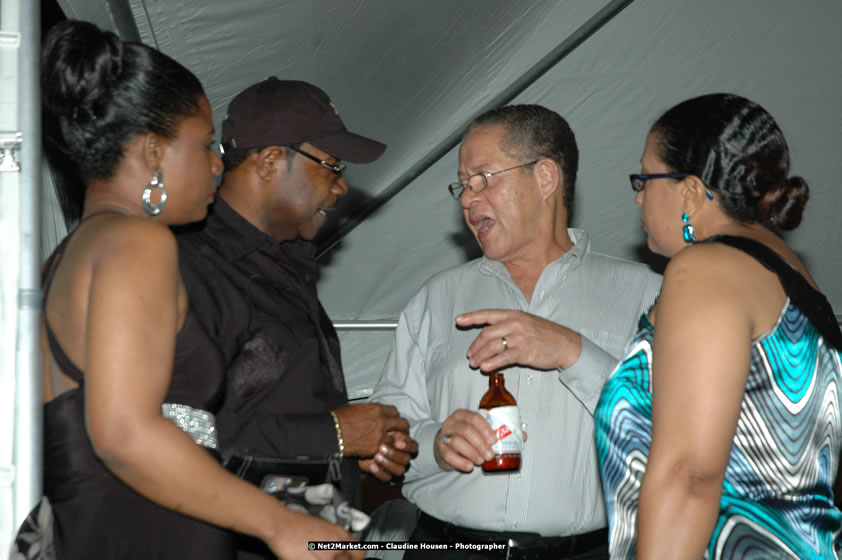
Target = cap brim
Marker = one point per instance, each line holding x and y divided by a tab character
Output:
350	147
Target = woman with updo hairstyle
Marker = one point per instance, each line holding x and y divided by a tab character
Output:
719	434
131	379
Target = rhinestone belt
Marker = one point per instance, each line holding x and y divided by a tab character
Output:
197	423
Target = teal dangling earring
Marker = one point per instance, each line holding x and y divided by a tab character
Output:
689	231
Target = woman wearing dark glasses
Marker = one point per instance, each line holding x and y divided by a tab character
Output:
719	434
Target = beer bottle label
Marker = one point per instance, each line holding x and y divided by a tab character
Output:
505	421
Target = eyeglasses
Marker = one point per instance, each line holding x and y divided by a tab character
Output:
456	189
638	180
337	168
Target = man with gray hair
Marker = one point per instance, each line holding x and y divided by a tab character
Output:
539	306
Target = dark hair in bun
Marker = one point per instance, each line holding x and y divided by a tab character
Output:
97	93
737	149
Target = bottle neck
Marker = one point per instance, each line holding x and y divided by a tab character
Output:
497	395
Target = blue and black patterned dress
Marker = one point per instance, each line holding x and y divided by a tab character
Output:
777	498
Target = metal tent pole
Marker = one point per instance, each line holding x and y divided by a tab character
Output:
29	386
360	325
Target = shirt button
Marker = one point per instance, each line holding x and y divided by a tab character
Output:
575	383
519	476
530	378
514	526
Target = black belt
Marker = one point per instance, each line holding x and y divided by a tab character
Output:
523	545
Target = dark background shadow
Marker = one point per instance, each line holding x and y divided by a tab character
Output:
51	14
644	255
347	214
466	242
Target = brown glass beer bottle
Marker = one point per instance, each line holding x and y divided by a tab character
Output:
500	410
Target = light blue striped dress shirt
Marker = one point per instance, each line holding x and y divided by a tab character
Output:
557	491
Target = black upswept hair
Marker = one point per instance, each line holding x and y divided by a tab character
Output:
97	93
738	150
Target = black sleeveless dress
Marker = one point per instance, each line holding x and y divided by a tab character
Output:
95	514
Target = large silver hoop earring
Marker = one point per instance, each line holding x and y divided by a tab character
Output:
156	183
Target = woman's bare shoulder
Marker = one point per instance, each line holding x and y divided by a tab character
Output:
704	262
707	278
723	280
714	261
129	237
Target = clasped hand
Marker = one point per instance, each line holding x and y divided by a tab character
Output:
379	436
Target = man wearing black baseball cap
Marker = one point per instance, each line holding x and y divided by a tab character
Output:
251	275
282	113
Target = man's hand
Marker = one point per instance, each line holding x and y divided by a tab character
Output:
392	458
364	427
464	441
514	337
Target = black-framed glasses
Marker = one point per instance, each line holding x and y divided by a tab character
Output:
456	189
638	180
337	168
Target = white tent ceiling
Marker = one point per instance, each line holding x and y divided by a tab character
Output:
411	73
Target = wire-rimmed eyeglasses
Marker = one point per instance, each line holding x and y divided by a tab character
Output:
456	189
337	168
638	180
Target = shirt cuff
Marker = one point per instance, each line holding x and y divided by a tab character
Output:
586	377
424	464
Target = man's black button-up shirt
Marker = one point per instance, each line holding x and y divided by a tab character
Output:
257	297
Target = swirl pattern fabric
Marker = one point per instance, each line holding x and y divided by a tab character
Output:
777	499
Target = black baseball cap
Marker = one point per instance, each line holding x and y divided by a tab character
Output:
283	112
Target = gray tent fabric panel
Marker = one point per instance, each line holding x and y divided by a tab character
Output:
413	73
653	55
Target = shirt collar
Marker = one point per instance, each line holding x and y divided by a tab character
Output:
238	237
569	261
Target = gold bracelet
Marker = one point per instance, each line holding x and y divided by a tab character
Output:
338	435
